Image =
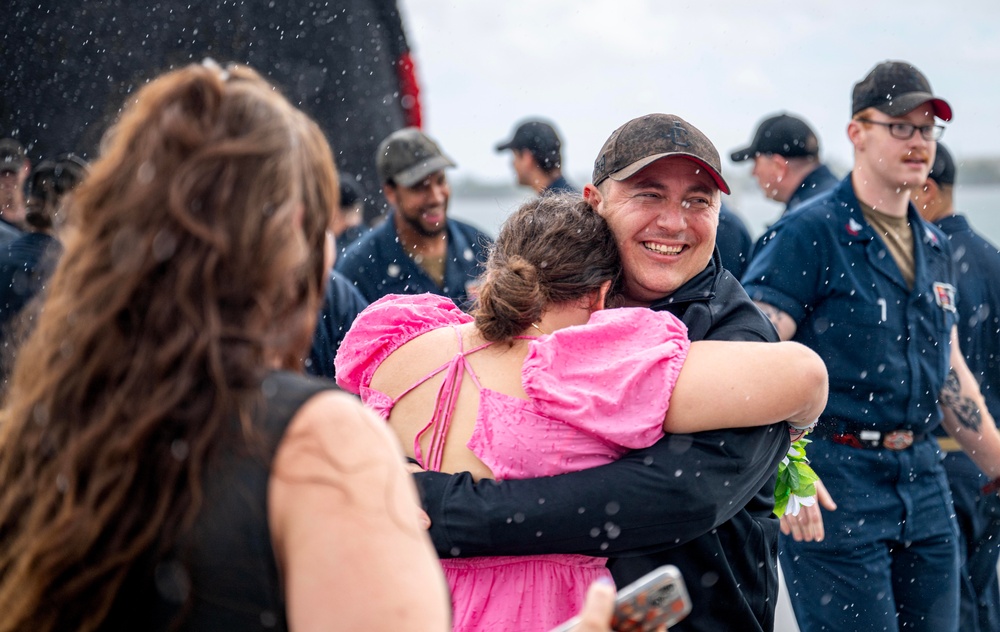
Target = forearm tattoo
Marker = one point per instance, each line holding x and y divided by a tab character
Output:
964	408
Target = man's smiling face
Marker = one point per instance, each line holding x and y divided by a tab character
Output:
665	219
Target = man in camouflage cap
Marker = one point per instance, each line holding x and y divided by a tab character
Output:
703	501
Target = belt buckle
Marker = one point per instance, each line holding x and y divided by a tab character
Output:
898	439
870	439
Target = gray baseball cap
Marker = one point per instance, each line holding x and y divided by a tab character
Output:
407	156
644	140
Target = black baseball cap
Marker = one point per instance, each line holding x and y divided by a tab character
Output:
350	190
896	88
782	134
537	136
408	156
644	140
943	171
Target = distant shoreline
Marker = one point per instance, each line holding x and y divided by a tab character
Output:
972	172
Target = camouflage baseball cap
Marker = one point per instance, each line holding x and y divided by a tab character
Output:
646	139
896	88
407	156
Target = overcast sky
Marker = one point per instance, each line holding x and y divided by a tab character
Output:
591	65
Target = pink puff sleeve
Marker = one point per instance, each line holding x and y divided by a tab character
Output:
612	377
384	326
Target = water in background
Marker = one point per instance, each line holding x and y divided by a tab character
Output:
980	203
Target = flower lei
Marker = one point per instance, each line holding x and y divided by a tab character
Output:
796	481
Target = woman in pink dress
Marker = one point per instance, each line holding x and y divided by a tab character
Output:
543	380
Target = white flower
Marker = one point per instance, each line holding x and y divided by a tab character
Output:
797	502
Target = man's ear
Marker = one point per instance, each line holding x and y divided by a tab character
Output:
389	191
782	166
855	132
593	195
929	194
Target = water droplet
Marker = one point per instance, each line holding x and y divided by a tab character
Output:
179	449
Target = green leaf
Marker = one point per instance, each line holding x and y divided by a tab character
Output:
780	506
793	476
806	474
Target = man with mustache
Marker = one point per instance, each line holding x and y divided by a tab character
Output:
417	248
859	277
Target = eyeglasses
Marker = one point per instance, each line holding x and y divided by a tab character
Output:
904	131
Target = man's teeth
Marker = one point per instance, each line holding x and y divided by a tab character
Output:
661	249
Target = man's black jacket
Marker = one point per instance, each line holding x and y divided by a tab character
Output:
700	501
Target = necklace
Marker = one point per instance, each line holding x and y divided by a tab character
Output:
535	325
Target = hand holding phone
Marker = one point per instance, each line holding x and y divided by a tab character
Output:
656	599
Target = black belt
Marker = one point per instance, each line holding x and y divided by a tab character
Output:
873	439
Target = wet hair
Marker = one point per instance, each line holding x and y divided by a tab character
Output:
193	266
552	250
47	184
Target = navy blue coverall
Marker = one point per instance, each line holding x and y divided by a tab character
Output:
889	559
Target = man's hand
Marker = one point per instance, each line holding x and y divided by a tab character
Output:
808	524
783	323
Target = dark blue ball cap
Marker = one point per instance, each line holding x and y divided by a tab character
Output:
782	134
943	171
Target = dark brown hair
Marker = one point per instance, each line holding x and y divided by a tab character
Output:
553	249
193	264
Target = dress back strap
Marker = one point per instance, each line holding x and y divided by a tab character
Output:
444	403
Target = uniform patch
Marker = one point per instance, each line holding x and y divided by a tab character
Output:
944	294
853	228
930	237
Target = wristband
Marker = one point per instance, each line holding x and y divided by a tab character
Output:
808	426
992	487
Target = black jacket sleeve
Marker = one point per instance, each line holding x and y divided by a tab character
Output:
651	499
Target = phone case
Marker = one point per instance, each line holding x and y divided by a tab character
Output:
657	598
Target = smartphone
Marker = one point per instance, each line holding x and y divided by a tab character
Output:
656	599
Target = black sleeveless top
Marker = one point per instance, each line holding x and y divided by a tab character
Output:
223	574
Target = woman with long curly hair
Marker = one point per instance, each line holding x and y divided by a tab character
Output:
162	463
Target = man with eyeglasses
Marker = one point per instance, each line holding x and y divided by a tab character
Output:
859	277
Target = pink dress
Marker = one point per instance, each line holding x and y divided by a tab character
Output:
595	391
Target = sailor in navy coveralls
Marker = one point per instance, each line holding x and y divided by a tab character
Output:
858	276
